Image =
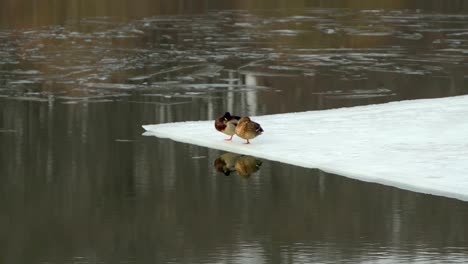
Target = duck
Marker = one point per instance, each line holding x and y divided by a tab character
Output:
247	165
248	129
226	163
227	124
244	165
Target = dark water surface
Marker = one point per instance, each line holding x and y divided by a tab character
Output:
79	184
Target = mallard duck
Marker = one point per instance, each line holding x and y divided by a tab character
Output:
226	163
246	165
227	124
248	129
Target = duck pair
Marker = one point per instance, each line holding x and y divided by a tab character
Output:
242	164
243	127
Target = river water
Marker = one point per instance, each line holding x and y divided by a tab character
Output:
80	184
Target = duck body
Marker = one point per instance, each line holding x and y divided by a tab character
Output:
247	165
227	124
242	164
248	129
226	163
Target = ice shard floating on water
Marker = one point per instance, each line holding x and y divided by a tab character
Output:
419	145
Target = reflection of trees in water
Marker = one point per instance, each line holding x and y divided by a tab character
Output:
302	93
244	165
28	13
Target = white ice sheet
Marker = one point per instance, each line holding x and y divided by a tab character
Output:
418	145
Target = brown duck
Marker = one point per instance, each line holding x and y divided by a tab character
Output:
247	165
248	129
231	162
226	163
227	124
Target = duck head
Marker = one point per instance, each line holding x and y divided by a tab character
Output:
227	116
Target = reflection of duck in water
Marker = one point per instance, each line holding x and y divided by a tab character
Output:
227	124
248	129
247	165
244	165
226	163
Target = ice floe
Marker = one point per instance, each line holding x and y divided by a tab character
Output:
418	145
